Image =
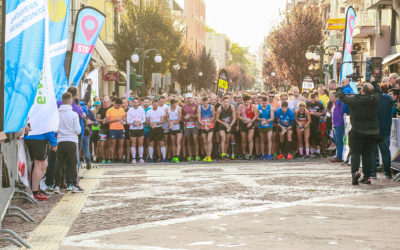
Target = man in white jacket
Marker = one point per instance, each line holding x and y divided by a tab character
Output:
68	131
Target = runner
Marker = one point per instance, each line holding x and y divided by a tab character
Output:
266	118
162	105
156	117
104	130
136	118
94	139
303	120
174	118
226	120
316	110
247	114
146	107
206	116
127	143
116	117
285	117
191	129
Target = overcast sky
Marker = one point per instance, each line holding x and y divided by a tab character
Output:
244	21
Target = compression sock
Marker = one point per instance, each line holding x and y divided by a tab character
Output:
301	151
318	151
141	152
151	151
290	147
133	150
163	152
307	151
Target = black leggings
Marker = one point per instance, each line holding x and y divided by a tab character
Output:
66	162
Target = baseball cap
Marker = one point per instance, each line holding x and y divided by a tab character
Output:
97	103
189	95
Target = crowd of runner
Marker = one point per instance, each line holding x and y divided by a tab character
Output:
198	126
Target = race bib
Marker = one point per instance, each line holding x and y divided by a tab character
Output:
207	123
190	124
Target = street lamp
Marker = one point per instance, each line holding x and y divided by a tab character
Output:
158	58
200	75
135	58
317	52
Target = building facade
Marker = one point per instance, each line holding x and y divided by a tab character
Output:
195	21
218	46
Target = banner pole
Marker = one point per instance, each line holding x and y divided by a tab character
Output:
3	54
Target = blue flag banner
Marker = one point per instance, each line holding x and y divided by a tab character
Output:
24	52
59	12
88	25
347	68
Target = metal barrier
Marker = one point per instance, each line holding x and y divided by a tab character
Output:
9	176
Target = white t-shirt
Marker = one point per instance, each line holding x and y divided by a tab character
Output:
293	102
136	115
156	116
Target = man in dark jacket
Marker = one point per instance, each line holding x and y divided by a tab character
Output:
384	115
364	128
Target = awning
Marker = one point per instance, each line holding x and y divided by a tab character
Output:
105	56
391	58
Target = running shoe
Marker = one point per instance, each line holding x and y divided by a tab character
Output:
69	187
109	162
289	157
247	157
209	159
223	155
133	161
176	159
44	192
355	177
40	197
88	165
280	157
50	188
269	157
189	159
307	157
275	156
103	162
251	157
197	158
77	189
165	161
141	161
57	190
205	158
149	160
262	157
365	180
233	157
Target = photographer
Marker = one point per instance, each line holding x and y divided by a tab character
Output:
364	127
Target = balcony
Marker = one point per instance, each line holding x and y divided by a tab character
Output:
365	23
382	4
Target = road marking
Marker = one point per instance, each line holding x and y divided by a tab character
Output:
101	245
75	240
52	230
354	206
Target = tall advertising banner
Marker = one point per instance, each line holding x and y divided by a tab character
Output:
347	68
88	25
43	116
59	12
25	29
223	82
94	76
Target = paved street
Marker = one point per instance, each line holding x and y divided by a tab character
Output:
248	205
